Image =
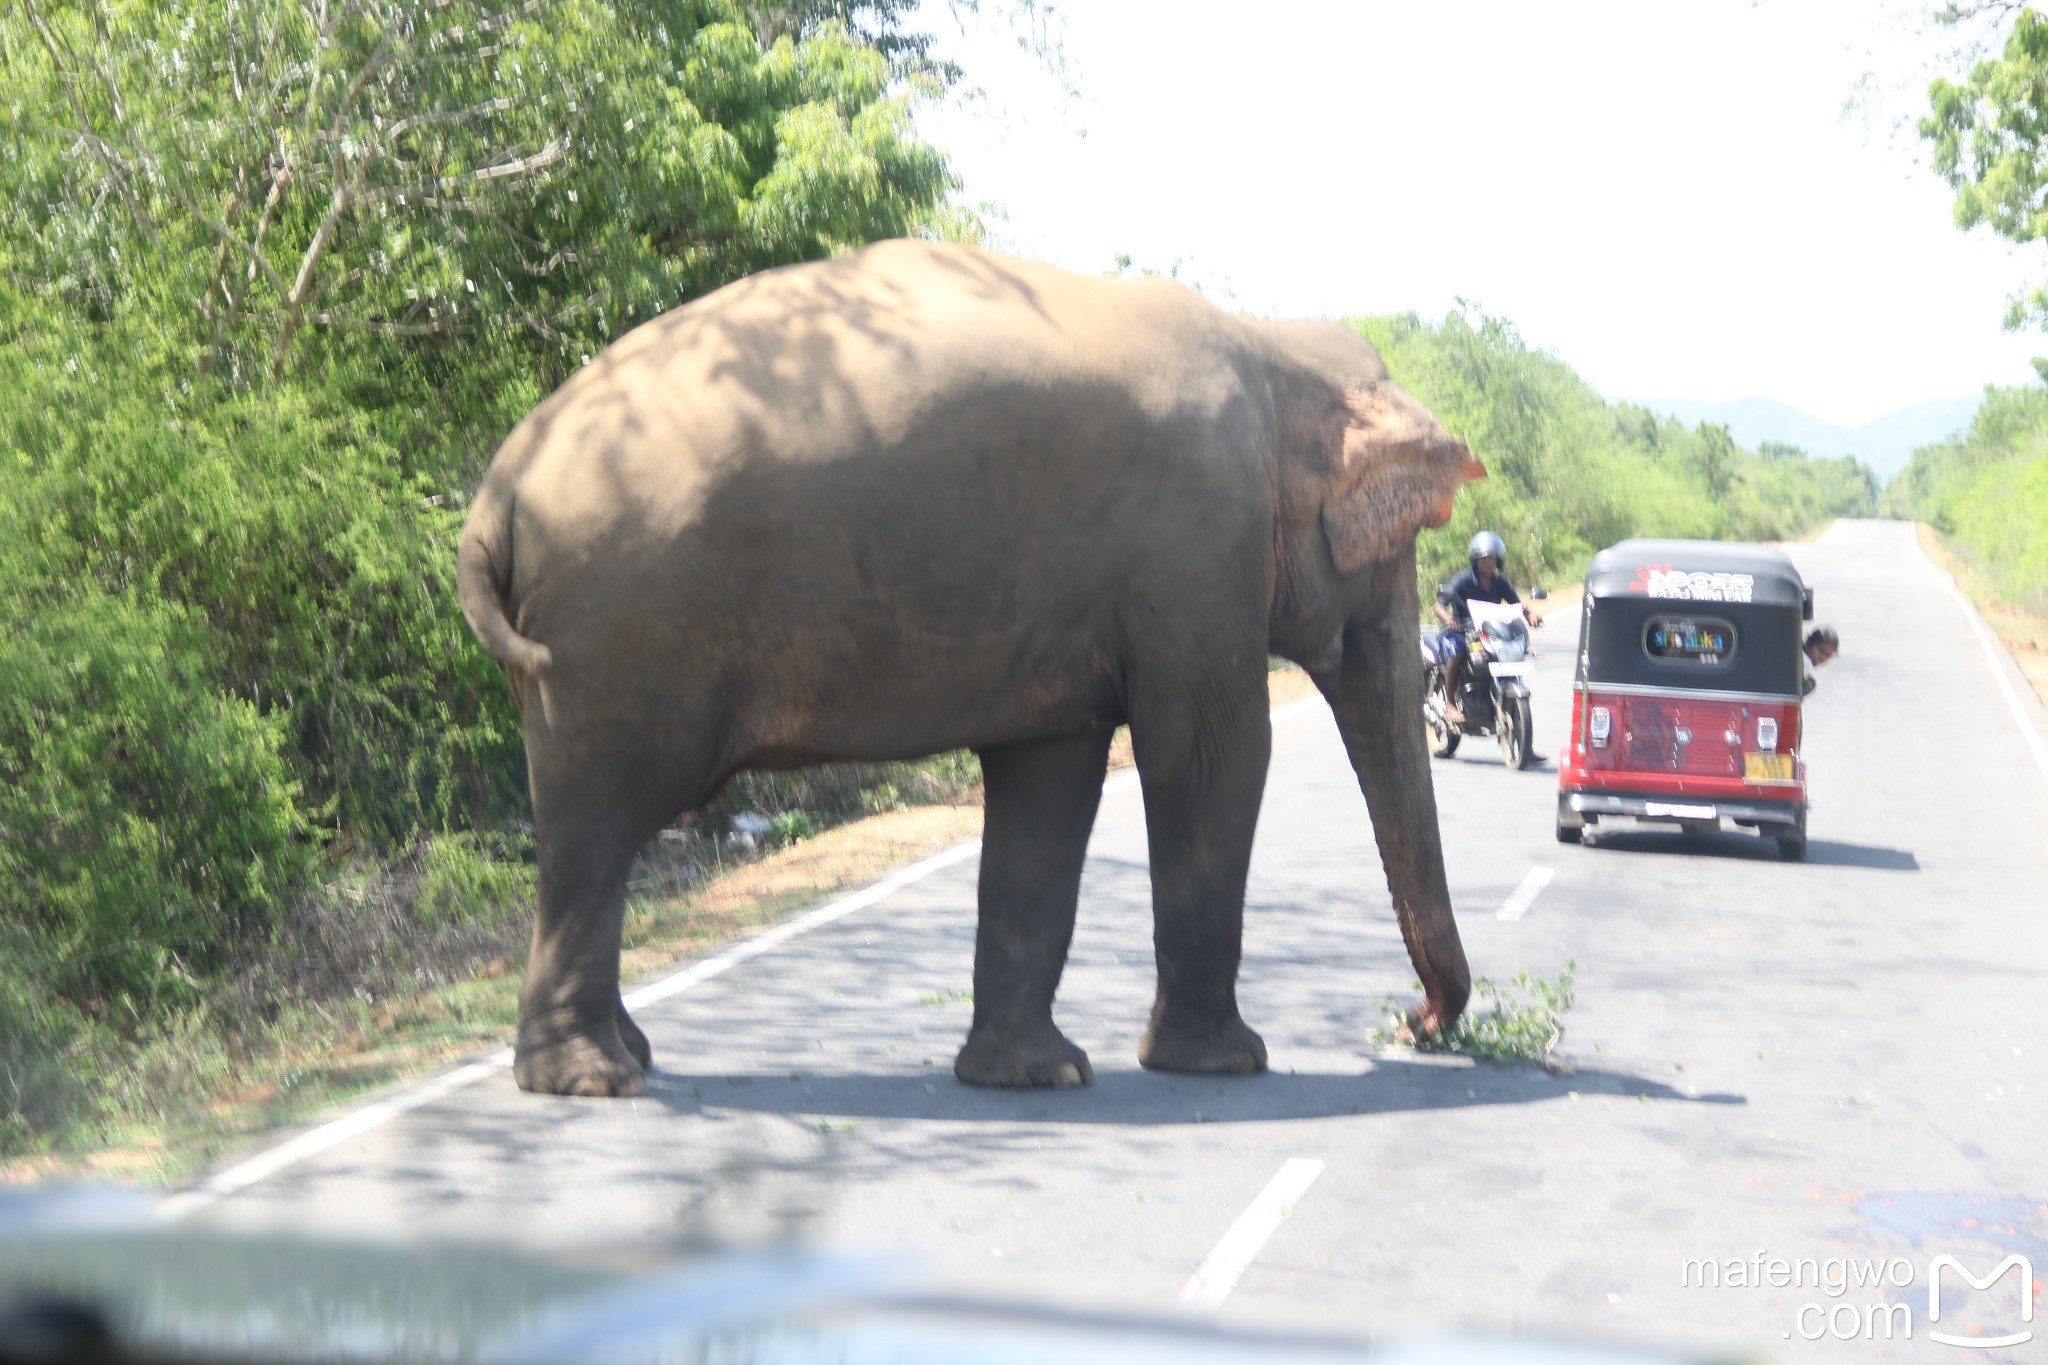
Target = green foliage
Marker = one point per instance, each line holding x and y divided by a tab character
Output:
128	785
314	567
475	879
1569	473
1522	1028
792	826
1987	135
1987	491
369	173
881	798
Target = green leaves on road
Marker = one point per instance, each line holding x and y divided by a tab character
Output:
1520	1025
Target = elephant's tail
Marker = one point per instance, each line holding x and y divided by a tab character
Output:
483	569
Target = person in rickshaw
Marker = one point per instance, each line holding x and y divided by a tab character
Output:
1483	580
1821	645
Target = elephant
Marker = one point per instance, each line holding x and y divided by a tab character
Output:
923	497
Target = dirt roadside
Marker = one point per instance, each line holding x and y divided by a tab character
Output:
2024	634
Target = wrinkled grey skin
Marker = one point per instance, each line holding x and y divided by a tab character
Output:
923	498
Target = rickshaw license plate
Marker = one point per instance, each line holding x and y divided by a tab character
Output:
1767	767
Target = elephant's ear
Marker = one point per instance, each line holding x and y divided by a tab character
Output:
1397	471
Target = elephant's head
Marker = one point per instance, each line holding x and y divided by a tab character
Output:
1362	469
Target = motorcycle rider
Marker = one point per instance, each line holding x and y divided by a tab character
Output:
1481	581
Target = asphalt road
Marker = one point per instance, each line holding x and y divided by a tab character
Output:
1840	1058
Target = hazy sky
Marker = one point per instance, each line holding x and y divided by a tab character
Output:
1668	195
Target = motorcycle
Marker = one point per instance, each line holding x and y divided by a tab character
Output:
1494	691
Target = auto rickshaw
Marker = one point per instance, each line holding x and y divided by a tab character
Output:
1686	705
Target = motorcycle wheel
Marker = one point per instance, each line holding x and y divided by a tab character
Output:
1515	737
1443	736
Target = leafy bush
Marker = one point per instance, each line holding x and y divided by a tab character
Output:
792	826
1987	492
475	879
150	820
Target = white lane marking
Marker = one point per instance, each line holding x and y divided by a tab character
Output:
1217	1276
240	1177
1524	896
244	1174
2019	714
311	1143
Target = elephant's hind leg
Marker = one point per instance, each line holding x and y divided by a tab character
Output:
1041	800
575	1037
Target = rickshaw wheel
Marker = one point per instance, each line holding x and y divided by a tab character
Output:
1568	833
1792	843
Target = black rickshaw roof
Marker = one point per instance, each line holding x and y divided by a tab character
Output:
1696	570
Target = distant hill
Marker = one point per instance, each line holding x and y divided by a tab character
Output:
1884	443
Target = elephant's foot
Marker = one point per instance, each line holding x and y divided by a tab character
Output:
578	1066
635	1040
1207	1046
1039	1055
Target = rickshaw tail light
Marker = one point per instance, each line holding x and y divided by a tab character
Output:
1767	734
1600	725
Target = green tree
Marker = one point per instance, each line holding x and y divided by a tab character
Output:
406	169
1988	491
1988	134
1570	473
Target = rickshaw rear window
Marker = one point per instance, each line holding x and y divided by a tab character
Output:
1703	640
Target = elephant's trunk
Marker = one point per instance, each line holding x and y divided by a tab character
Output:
1377	696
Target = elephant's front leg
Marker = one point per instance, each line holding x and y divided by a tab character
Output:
1204	773
1040	805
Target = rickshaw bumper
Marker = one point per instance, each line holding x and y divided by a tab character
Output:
1686	809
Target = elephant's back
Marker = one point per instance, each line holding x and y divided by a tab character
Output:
894	467
906	353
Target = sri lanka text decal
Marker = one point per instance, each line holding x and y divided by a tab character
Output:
1661	580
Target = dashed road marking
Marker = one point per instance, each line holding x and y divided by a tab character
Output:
1218	1274
1517	905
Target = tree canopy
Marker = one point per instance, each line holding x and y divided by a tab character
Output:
1990	142
263	173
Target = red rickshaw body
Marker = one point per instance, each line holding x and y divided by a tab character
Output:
1686	703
